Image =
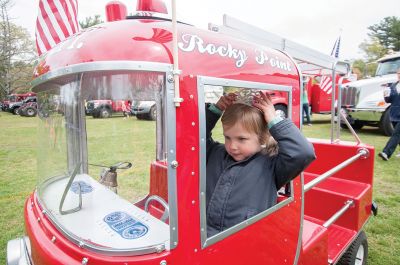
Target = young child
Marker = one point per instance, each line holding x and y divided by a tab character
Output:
245	173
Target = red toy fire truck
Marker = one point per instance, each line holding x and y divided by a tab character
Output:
76	217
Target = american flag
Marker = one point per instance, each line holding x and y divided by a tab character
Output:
56	21
326	81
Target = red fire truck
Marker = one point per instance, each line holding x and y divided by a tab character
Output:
14	101
73	217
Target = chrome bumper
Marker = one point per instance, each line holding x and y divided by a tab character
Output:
366	114
19	251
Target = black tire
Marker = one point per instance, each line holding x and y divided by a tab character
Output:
15	111
357	253
105	113
281	110
357	125
30	112
152	115
385	125
140	116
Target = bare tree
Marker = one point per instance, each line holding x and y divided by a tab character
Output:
17	53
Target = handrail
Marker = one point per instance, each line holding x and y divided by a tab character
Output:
350	127
361	154
339	213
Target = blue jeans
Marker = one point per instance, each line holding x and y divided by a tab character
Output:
393	141
306	110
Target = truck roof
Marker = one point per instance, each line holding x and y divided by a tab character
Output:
389	57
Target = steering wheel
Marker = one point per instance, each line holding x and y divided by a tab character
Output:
160	200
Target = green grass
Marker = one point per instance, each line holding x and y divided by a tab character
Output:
18	140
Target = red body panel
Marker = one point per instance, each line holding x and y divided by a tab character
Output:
320	100
271	240
351	183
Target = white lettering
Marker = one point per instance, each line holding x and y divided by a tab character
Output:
191	42
261	57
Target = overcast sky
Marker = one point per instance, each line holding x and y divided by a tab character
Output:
314	23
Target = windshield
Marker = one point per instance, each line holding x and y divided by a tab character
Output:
96	159
388	67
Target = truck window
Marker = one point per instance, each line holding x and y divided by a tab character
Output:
237	219
388	67
95	161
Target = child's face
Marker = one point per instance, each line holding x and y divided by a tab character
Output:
239	143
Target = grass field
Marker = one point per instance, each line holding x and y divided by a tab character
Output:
18	140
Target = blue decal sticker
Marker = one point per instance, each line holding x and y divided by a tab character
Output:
85	187
125	225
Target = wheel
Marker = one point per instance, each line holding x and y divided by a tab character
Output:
281	110
15	111
385	125
30	112
152	115
357	125
357	253
140	116
105	113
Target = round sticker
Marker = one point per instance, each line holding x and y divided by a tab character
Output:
114	217
135	231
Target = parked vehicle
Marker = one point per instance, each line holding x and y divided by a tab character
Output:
74	217
145	110
28	109
319	89
363	100
104	108
14	101
15	107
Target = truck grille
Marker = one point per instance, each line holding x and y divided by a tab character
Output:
350	95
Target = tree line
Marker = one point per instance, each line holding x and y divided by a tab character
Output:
18	52
383	38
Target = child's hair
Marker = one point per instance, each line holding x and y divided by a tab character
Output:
252	120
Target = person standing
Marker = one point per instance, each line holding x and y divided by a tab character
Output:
392	95
306	107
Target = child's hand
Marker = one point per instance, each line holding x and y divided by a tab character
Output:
263	102
225	101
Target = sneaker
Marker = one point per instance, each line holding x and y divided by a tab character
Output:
383	156
309	124
398	155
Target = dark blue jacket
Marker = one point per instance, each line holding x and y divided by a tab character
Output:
236	191
394	99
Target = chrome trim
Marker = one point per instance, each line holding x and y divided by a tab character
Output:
19	252
162	202
300	236
334	217
102	66
170	120
167	69
373	115
339	104
360	154
205	80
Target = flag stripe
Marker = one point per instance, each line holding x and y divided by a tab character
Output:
73	10
56	21
46	32
70	16
42	43
62	17
53	20
47	23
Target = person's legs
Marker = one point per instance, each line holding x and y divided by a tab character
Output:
307	112
393	141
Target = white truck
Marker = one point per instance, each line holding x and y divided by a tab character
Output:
363	100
